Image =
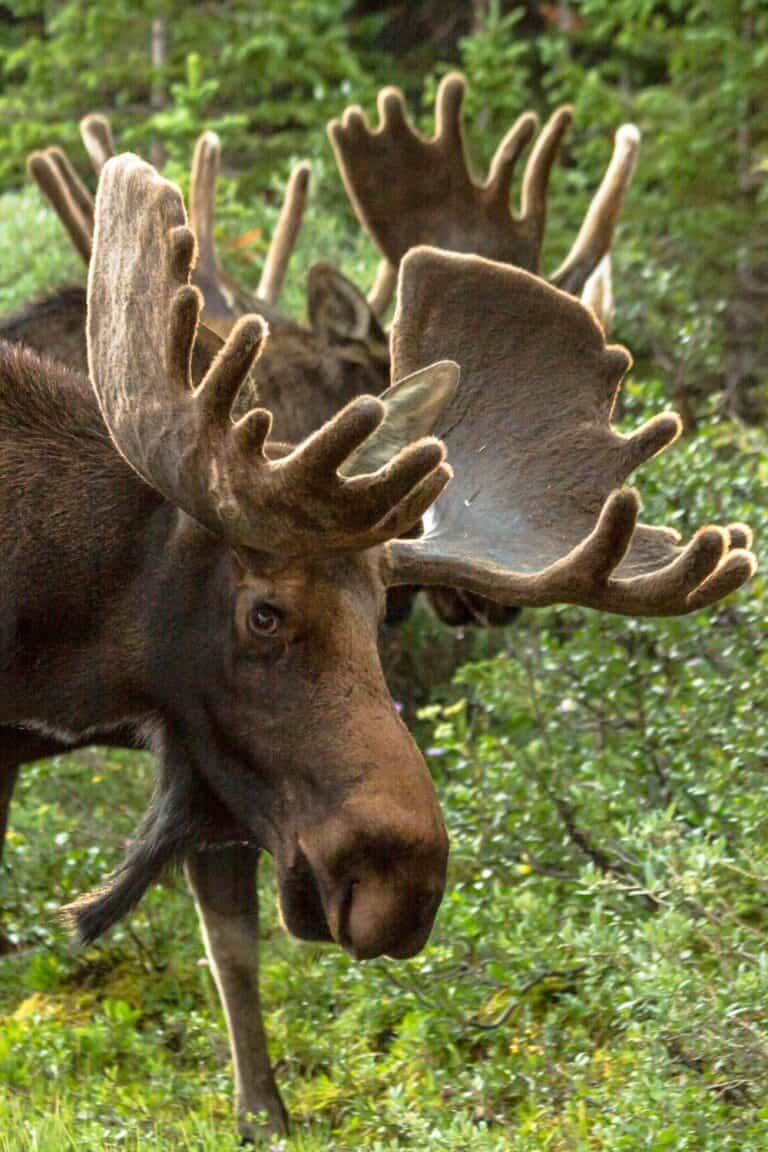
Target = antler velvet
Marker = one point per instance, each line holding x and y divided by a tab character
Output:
67	195
96	133
537	513
224	300
142	318
408	189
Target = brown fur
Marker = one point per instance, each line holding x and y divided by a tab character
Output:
52	326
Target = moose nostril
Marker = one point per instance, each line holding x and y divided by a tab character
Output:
380	914
417	926
343	917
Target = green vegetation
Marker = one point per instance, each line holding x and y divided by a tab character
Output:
598	977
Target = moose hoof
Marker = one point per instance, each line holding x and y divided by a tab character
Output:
254	1127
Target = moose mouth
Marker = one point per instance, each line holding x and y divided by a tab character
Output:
352	917
299	901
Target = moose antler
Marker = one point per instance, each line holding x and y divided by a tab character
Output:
597	293
593	243
67	195
73	204
408	189
537	513
382	290
284	237
96	133
142	318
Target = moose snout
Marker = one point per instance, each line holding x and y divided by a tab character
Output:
385	916
380	890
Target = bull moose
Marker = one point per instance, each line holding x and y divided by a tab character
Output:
179	579
344	351
406	190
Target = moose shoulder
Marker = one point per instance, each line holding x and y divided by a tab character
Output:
175	571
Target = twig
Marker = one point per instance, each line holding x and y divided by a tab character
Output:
539	978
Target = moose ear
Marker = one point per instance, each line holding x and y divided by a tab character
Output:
413	408
206	348
338	311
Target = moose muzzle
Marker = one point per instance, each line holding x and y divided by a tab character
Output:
379	862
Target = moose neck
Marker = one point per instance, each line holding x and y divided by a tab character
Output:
82	537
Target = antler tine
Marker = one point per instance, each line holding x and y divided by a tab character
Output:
598	293
596	233
67	195
537	513
142	319
506	156
383	288
285	234
224	302
202	200
77	190
96	135
533	204
449	128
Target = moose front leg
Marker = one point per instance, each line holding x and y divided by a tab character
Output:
223	882
8	778
17	747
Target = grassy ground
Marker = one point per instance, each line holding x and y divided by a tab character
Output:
598	976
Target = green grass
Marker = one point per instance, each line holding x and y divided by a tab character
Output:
598	977
35	254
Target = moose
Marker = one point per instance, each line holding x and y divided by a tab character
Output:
344	352
308	373
178	578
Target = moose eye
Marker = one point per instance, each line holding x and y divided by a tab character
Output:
263	620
